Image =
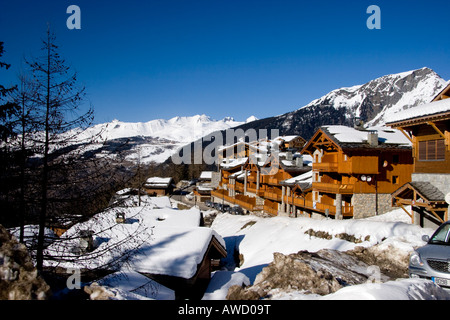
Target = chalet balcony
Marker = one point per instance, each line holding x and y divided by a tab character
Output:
259	192
326	167
299	202
271	210
333	188
271	180
239	187
347	211
245	202
271	207
272	196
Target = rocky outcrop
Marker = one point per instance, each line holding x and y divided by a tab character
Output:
19	279
319	273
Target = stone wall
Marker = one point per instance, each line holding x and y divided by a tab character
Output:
439	180
364	204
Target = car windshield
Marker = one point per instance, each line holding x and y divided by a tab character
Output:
442	235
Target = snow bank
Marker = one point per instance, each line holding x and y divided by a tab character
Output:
220	283
404	289
261	237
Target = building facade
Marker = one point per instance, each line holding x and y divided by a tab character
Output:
428	128
355	170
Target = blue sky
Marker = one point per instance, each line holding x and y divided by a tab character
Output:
143	60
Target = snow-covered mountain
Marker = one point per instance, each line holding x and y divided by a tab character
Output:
155	140
179	129
372	102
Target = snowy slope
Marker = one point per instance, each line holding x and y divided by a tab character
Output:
156	239
259	238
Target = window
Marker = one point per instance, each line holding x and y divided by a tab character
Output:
395	159
442	235
432	150
394	179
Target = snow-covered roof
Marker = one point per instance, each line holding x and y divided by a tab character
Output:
286	138
303	179
131	285
430	109
349	135
206	175
157	182
232	163
155	240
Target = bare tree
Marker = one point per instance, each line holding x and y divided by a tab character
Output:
59	100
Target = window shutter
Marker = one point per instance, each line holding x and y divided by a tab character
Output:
432	150
440	149
422	150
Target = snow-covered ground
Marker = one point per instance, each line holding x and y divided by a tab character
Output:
151	234
259	238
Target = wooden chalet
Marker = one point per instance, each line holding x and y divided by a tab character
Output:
237	150
355	170
158	187
428	128
194	287
254	182
297	195
231	182
204	186
290	142
273	173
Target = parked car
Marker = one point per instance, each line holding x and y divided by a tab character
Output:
236	210
221	207
209	203
432	261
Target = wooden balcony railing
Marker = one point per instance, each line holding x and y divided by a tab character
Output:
333	188
272	196
326	166
271	210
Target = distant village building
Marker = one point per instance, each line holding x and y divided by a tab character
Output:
428	128
204	186
159	187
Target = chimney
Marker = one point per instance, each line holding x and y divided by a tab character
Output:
299	161
289	156
372	138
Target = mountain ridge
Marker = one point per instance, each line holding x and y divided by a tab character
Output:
372	102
